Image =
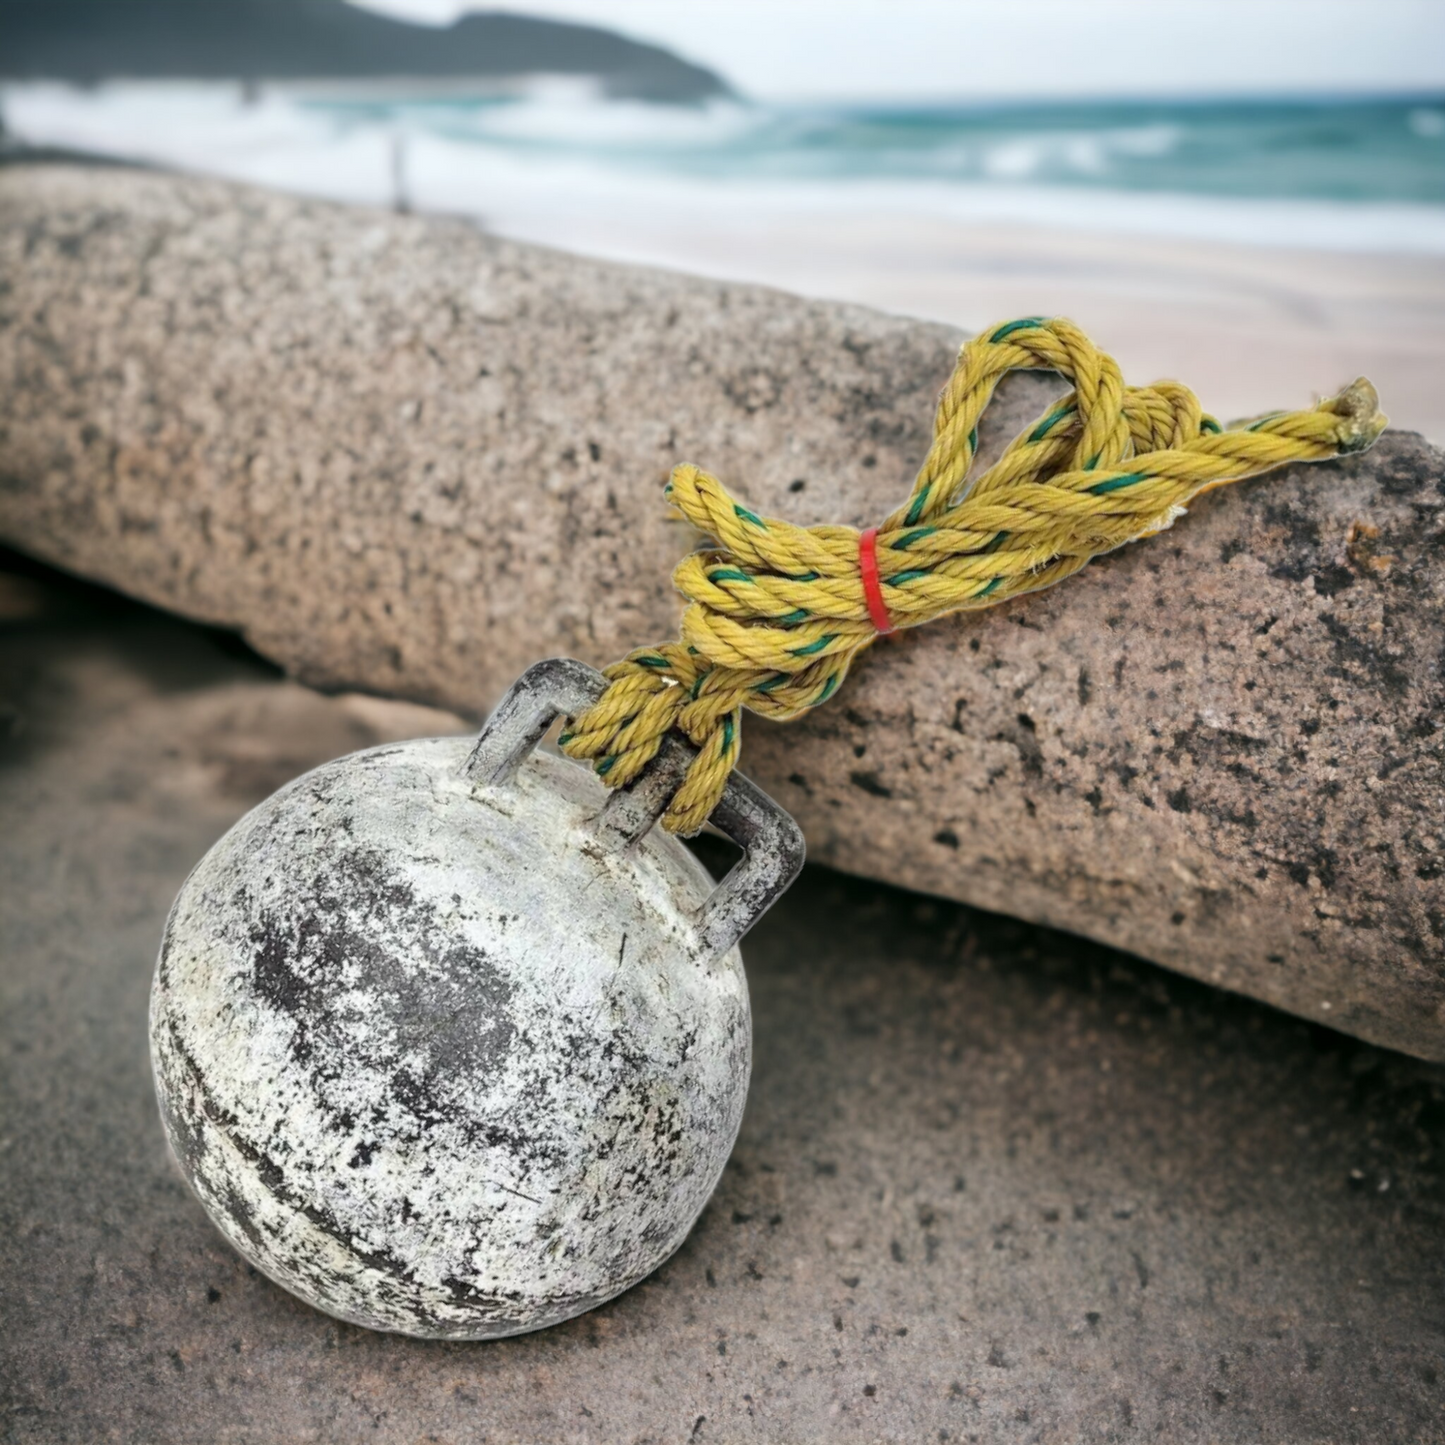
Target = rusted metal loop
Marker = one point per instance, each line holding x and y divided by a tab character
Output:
772	843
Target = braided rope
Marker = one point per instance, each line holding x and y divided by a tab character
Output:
776	613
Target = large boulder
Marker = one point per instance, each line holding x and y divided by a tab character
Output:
405	457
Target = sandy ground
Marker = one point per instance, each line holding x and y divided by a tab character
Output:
1249	328
994	1183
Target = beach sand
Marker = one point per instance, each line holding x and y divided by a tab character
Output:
1251	329
1252	300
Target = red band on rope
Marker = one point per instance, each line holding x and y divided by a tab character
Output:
872	588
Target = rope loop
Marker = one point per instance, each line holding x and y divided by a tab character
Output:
776	613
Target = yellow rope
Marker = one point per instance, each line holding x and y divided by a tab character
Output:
776	612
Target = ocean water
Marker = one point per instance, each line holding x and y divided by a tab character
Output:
1382	150
538	159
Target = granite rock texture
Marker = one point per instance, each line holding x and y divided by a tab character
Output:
404	457
994	1183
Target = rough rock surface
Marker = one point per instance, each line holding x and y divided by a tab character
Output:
405	457
994	1182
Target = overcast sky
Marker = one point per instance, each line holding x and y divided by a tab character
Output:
962	49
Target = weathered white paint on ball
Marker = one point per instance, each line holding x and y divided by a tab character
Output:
437	1060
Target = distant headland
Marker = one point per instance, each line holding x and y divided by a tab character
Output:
88	41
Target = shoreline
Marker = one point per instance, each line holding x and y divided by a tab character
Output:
1250	328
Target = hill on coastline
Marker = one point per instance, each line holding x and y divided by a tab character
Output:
88	41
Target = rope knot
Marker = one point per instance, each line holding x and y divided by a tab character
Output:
776	613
